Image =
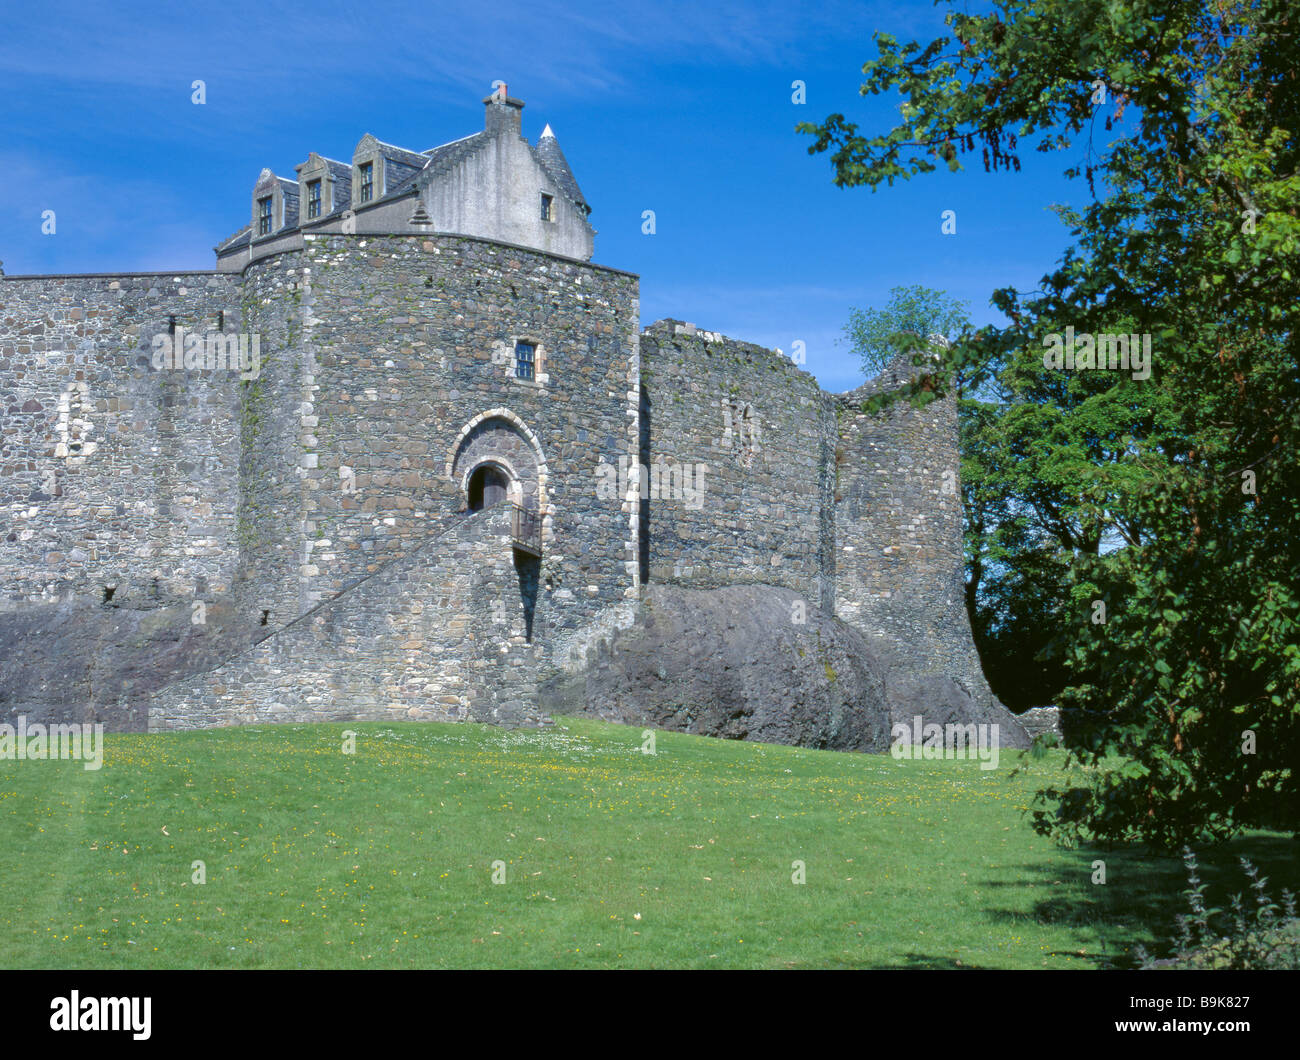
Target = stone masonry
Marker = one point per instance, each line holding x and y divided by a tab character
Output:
286	534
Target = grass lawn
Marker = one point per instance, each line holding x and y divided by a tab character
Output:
613	858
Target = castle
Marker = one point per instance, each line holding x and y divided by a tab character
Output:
406	453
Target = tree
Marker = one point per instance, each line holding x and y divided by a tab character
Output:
1182	486
877	336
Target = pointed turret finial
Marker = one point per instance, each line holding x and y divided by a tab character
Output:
553	160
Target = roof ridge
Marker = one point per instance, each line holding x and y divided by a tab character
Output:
399	147
234	235
439	147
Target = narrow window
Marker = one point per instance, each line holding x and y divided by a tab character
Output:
313	198
264	216
367	181
546	207
524	359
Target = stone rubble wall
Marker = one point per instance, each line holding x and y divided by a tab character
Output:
898	518
440	634
318	503
763	432
1042	720
113	473
391	376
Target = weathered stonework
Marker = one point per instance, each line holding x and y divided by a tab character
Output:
113	473
382	388
898	522
760	435
289	541
439	635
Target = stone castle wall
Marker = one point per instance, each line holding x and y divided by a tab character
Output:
113	473
755	438
441	634
898	519
322	497
390	376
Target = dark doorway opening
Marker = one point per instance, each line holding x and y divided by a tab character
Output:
529	569
487	487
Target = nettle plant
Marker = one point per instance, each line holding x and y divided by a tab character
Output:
1252	933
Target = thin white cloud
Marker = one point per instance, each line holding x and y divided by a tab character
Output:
334	46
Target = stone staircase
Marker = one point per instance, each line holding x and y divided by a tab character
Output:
438	634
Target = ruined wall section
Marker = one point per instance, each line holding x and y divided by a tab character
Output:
898	515
764	435
441	634
113	473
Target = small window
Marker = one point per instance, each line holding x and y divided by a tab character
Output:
313	198
525	354
546	207
367	181
264	216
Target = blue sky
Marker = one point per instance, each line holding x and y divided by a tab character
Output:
680	108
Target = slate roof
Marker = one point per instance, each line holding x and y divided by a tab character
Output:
401	154
552	159
235	241
425	166
341	172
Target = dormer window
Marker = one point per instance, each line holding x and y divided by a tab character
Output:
313	199
525	360
367	181
546	207
264	216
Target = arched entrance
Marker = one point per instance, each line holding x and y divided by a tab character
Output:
488	486
495	460
495	450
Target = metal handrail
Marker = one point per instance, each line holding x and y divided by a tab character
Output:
526	529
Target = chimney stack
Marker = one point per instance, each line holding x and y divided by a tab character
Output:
504	112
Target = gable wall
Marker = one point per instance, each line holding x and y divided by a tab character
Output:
495	193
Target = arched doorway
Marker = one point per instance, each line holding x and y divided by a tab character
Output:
488	486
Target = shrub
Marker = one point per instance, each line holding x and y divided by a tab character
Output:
1267	936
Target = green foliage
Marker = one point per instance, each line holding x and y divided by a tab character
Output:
1175	499
1042	743
912	316
1265	936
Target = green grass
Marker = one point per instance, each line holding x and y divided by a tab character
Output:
613	857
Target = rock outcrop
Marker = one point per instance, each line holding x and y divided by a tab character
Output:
756	662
